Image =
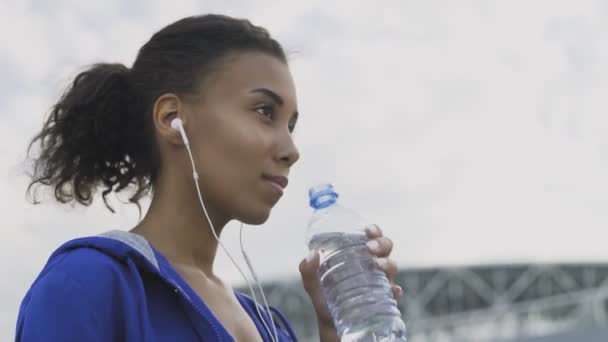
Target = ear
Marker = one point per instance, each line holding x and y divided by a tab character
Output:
167	107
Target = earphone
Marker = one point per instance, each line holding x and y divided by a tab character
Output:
178	125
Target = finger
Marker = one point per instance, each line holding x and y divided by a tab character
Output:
308	270
373	231
380	247
388	266
397	291
310	264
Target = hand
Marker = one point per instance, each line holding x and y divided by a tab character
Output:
378	245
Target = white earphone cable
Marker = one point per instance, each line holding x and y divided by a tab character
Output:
255	279
200	197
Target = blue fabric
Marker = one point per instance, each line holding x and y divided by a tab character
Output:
102	289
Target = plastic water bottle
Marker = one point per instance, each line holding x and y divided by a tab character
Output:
358	295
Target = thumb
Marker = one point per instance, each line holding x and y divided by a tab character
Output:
309	268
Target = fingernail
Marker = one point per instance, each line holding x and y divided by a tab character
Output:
372	229
375	229
399	291
311	255
373	245
381	262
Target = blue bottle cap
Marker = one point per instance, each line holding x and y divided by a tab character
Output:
322	196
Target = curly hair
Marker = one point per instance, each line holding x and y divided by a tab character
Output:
100	133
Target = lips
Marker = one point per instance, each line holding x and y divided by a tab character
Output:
278	180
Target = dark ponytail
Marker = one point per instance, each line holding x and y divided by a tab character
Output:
100	132
90	139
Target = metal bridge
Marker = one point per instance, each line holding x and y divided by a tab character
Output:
483	303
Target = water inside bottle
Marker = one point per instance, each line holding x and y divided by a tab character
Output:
358	295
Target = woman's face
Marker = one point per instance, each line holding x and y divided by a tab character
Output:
240	130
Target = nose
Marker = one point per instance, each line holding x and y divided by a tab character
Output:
288	153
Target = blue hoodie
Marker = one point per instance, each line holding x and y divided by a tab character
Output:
116	287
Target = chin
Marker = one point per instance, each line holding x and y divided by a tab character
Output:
255	218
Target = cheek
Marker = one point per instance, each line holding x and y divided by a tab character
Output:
233	157
247	146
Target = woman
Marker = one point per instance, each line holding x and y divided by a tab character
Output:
229	83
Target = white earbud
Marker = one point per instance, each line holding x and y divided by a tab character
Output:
175	123
178	125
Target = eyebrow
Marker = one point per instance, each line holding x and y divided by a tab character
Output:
276	97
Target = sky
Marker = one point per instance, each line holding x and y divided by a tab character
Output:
472	132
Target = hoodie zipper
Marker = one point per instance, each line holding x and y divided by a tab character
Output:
153	265
186	297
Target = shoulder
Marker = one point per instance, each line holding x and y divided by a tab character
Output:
82	270
74	295
87	268
95	263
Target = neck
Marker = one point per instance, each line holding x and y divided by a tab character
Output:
177	227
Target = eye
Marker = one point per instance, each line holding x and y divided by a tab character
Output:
292	127
266	111
293	122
